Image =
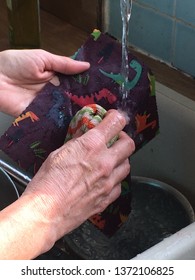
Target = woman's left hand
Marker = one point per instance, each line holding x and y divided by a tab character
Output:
23	73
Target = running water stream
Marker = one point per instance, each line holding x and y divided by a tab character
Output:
126	7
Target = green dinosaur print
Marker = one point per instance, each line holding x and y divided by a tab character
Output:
38	152
152	84
81	79
75	54
119	79
96	34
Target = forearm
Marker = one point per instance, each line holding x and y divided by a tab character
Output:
24	232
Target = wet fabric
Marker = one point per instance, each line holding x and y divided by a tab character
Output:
43	125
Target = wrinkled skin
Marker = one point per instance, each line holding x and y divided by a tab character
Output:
85	183
76	181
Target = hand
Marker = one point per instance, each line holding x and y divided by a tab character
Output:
82	177
75	182
23	73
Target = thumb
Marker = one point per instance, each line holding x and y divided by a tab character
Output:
67	65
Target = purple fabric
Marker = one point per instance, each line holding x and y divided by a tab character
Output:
56	105
43	125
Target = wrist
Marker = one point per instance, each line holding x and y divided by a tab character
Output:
25	232
43	224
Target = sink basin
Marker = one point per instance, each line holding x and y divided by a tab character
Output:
179	246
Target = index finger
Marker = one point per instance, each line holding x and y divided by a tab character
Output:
111	125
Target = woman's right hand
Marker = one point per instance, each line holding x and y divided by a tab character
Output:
83	176
75	182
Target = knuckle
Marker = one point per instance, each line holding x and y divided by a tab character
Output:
131	144
57	158
107	187
112	195
51	159
121	120
117	192
105	168
92	139
52	163
102	206
127	166
81	144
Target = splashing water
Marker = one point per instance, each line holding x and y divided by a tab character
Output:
126	8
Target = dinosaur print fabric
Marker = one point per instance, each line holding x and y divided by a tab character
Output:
43	125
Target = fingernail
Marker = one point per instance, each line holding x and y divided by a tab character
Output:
84	63
125	115
120	116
